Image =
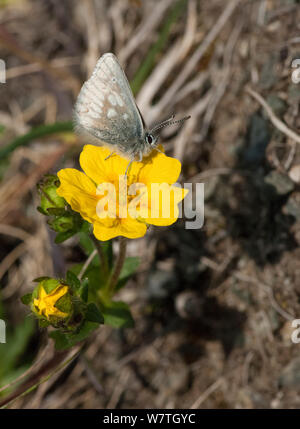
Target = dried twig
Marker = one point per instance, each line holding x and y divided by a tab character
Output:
144	30
273	118
218	383
221	87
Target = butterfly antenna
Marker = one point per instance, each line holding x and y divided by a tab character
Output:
157	126
168	122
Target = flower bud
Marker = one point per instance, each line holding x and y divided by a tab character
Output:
51	300
63	223
63	304
50	200
54	303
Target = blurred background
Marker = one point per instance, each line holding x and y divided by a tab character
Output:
212	307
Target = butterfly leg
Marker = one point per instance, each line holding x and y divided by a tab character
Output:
158	150
128	166
111	154
139	160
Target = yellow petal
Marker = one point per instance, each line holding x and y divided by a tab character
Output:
163	209
79	191
157	168
45	303
99	169
130	228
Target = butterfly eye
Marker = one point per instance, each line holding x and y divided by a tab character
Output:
149	139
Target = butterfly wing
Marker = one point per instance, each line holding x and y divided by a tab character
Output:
106	108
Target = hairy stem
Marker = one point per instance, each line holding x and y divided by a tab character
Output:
101	254
118	267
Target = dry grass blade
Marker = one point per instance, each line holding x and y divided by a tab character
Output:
144	30
191	64
273	118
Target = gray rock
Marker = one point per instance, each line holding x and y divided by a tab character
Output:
281	182
276	103
189	305
292	206
290	375
258	137
161	284
268	76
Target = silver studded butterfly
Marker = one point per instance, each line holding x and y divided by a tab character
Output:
106	110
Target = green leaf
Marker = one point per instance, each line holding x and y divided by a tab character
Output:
61	340
2	128
36	133
86	227
63	236
93	314
26	299
117	314
96	278
149	61
72	280
88	246
86	243
65	341
129	268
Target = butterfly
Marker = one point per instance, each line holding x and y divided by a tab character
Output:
106	110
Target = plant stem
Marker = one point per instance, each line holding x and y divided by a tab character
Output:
36	133
86	264
117	268
101	254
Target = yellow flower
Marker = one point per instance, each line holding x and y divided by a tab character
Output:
45	303
122	206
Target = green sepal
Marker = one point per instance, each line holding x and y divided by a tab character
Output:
49	285
40	279
56	211
43	323
63	223
26	299
35	292
41	210
64	304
